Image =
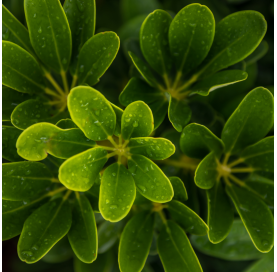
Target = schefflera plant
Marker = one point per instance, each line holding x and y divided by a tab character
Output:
237	167
39	62
117	133
184	56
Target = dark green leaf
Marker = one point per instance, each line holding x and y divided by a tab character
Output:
135	242
250	122
79	172
49	33
66	123
37	141
256	217
259	52
175	250
101	49
264	264
20	70
43	229
83	232
180	192
93	196
24	180
117	193
118	113
159	110
150	181
187	218
197	141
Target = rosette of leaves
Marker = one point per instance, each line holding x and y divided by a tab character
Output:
184	56
39	62
238	167
104	131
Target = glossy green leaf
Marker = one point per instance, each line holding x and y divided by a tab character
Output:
191	35
9	138
236	37
206	173
144	70
102	49
264	264
159	110
218	80
117	193
259	52
79	172
49	33
81	18
150	181
118	113
66	124
43	229
137	121
250	122
135	242
175	250
83	232
179	113
20	70
187	218
10	99
256	216
180	192
24	180
220	213
136	90
154	41
92	113
152	148
34	111
197	141
37	141
236	247
14	214
14	31
260	155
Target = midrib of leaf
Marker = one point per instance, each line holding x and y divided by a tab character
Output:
70	142
214	206
95	118
257	154
117	177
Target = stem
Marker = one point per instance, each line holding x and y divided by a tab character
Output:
65	83
77	194
51	92
110	138
226	158
161	214
54	83
188	83
107	147
234	163
120	140
242	170
65	197
111	154
55	180
236	180
53	102
57	191
227	181
166	81
176	81
125	143
74	81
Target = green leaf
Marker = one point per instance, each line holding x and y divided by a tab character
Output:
152	148
150	181
14	214
175	250
37	141
24	180
118	113
236	37
66	124
14	31
79	172
135	242
93	196
10	99
145	71
187	218
236	247
260	155
117	193
264	264
191	35
250	122
101	49
92	113
259	52
179	113
154	41
197	141
34	111
81	18
218	80
137	121
9	138
21	71
136	89
43	229
256	216
83	232
206	174
220	213
159	110
180	192
49	33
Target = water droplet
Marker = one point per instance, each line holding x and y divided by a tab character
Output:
39	30
113	207
107	201
135	124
